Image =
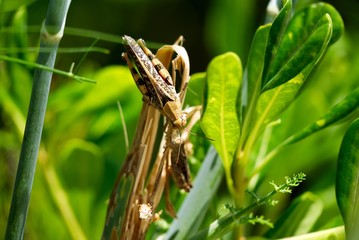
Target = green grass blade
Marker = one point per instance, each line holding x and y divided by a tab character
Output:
219	120
347	180
196	203
298	218
44	67
34	124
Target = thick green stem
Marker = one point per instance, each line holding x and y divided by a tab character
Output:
35	119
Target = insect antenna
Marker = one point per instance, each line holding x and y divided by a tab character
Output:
198	135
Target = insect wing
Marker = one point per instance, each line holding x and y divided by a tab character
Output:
164	91
156	63
178	159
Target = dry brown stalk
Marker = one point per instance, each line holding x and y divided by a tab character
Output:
144	197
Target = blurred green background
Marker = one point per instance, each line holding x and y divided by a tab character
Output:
83	145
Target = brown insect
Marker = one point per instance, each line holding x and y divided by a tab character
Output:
177	159
158	89
153	80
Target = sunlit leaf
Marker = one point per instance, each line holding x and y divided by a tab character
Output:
347	181
219	121
272	102
252	78
114	84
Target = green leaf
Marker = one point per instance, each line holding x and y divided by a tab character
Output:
114	84
339	111
274	101
301	47
252	78
219	120
298	218
316	11
253	72
347	180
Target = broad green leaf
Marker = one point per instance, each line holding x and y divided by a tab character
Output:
347	180
114	84
195	206
298	218
316	11
302	46
219	120
274	101
339	111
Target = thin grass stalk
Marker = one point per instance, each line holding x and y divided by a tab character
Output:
51	34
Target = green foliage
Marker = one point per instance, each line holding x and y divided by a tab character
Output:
266	123
240	216
220	120
347	180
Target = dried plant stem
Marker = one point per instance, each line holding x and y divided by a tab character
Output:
138	189
136	166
